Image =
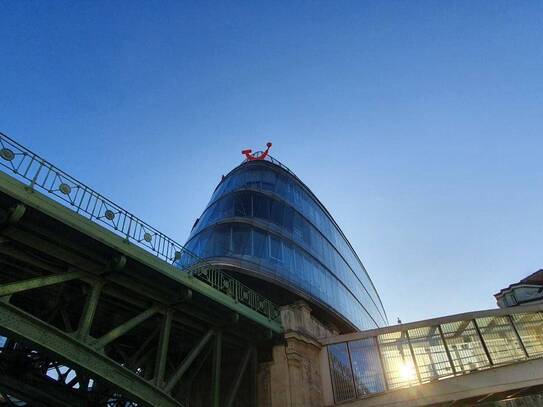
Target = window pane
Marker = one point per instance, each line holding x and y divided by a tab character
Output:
500	339
260	245
276	209
242	205
368	375
340	369
530	328
275	248
466	349
241	240
219	243
398	363
261	207
430	353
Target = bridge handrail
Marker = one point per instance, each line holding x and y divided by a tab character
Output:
63	188
367	363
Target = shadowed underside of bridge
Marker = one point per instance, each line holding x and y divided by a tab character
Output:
90	316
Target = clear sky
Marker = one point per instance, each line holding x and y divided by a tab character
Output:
418	124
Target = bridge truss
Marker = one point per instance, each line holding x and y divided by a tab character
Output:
118	317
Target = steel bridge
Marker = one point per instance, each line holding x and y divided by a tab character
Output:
99	308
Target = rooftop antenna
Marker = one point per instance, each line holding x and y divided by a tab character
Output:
252	157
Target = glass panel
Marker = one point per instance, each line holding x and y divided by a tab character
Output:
500	339
466	349
368	375
276	210
261	206
219	243
530	328
430	353
260	247
242	205
398	363
275	248
340	370
241	240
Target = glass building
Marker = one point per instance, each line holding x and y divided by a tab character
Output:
265	226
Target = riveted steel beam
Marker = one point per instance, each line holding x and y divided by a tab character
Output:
14	322
216	371
25	285
89	309
162	351
188	361
239	376
52	249
125	327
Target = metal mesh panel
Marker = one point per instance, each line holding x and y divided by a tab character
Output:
430	353
398	364
341	372
368	374
530	328
467	351
500	339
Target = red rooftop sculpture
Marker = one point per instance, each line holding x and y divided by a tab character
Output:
251	157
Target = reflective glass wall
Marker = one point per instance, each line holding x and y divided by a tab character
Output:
412	356
263	215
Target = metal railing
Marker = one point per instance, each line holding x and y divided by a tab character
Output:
65	189
390	358
272	160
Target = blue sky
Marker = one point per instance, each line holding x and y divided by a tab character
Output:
418	124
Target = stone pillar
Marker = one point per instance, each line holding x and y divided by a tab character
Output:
293	378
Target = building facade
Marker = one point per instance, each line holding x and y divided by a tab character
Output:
527	291
265	225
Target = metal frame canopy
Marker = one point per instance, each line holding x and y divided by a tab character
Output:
94	310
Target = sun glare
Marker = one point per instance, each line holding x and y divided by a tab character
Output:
407	372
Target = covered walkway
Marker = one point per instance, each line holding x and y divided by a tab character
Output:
461	359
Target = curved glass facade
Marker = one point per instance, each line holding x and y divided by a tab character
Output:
263	217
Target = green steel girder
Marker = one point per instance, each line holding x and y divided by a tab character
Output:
40	202
14	322
29	284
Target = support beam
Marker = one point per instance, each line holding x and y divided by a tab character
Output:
91	303
124	328
54	249
216	371
254	380
188	361
136	359
25	285
16	323
162	351
239	376
16	214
